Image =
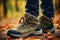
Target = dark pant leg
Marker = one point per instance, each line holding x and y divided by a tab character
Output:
47	8
32	6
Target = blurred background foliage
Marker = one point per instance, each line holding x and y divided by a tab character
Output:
12	8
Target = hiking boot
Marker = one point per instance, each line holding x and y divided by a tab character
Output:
26	27
46	23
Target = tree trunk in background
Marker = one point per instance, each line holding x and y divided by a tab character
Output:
4	6
57	6
17	9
